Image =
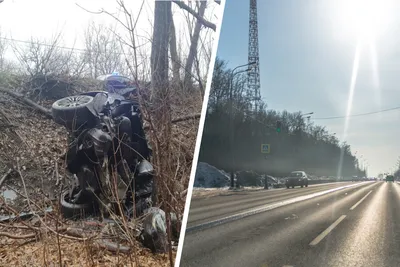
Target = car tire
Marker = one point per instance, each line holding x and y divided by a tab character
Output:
292	186
287	187
302	186
73	111
306	185
75	211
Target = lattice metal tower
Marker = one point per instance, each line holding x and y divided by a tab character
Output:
253	76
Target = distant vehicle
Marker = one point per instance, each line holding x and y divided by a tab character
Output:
390	178
297	178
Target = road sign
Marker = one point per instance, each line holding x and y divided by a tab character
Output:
265	148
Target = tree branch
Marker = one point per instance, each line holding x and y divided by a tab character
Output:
186	118
38	107
203	21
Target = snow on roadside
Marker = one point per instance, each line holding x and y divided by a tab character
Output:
210	181
199	192
208	176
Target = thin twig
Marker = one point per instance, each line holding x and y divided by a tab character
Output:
5	176
56	173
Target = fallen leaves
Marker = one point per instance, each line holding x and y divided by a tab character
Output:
19	252
37	142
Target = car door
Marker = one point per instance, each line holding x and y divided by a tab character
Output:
305	178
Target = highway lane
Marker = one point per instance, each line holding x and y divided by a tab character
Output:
205	209
354	226
369	236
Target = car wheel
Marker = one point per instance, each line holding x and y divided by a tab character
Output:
306	185
287	187
70	210
72	111
302	186
292	186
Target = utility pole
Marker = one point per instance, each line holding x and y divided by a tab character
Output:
231	133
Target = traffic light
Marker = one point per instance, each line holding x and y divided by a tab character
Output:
278	126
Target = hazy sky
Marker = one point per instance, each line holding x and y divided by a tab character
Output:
21	19
307	53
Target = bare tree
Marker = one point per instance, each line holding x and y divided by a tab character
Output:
103	53
159	49
197	12
194	40
41	57
77	66
175	60
159	72
197	15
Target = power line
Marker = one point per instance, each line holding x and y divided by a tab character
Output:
41	43
72	49
358	115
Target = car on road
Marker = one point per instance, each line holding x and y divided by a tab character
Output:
390	178
297	178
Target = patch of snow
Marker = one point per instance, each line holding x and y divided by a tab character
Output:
208	176
204	189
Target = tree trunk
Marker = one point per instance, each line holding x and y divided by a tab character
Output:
193	46
176	65
159	49
159	86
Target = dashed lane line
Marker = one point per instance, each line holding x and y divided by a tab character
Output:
327	231
336	223
361	200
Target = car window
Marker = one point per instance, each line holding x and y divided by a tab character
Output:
119	84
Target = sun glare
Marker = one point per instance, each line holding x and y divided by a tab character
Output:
365	19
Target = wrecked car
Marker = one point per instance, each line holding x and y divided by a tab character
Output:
107	149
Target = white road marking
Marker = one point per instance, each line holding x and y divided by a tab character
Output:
361	200
327	231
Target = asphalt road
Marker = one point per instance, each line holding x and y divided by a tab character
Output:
346	224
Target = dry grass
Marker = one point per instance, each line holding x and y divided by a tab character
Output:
73	253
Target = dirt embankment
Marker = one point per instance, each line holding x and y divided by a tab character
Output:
31	146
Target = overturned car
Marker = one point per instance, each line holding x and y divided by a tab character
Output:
107	156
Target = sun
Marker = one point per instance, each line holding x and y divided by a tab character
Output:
365	19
